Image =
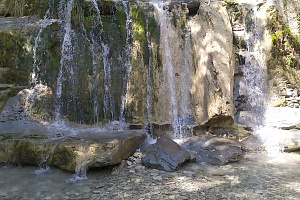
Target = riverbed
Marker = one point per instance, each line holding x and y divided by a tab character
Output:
257	176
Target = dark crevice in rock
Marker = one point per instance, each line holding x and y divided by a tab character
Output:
193	8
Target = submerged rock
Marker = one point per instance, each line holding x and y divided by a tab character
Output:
71	152
214	150
165	155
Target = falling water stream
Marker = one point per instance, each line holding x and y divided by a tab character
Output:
164	23
265	120
148	126
66	57
185	120
127	63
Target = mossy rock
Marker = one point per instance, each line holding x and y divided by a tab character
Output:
20	8
15	58
71	152
63	157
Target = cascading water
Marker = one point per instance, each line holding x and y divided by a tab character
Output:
148	126
161	10
66	57
46	21
254	73
182	120
108	102
185	120
43	23
127	63
259	115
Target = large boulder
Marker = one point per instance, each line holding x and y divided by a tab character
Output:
165	154
214	150
70	152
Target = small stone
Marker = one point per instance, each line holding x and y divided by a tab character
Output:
139	167
172	197
101	185
157	178
129	163
132	171
137	154
137	181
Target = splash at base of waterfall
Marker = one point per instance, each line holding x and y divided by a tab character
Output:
279	130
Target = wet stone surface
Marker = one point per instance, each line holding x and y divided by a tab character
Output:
257	176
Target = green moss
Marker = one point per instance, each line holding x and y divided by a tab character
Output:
24	153
121	22
153	29
139	24
19	8
5	137
15	57
63	157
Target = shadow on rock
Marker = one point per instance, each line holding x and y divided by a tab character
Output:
165	155
213	150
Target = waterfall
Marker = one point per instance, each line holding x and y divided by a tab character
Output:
94	65
262	118
66	57
127	63
164	23
43	23
148	126
92	44
185	120
108	102
254	73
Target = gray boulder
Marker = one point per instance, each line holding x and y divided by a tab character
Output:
165	155
214	150
69	153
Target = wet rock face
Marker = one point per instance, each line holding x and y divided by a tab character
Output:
31	105
69	153
214	150
165	155
208	97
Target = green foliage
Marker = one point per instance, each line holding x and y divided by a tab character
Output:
285	48
290	60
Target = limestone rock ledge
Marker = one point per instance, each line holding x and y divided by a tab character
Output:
71	152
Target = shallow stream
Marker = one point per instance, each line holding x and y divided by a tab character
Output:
257	176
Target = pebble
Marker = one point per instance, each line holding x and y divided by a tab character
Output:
157	178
